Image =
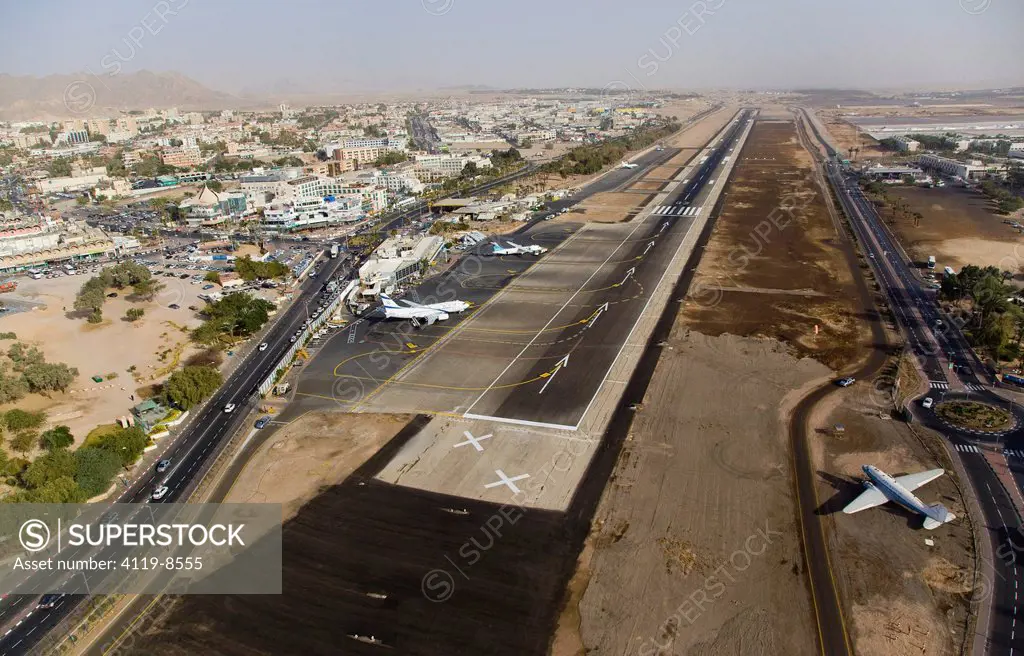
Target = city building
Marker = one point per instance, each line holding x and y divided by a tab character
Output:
210	207
432	167
905	144
311	212
972	170
397	260
28	243
183	157
86	180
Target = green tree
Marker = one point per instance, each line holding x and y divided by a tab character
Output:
24	440
49	377
59	168
23	357
49	467
12	388
18	419
126	443
134	314
212	276
95	470
215	185
58	437
189	386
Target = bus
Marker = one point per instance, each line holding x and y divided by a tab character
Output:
1013	379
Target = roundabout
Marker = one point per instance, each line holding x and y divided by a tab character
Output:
973	416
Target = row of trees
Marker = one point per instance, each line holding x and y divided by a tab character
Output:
589	159
1006	200
93	293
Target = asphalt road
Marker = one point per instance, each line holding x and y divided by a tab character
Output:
916	309
193	449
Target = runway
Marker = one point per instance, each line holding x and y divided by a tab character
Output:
538	353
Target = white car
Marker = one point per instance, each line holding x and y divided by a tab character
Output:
159	493
263	346
229	408
927	403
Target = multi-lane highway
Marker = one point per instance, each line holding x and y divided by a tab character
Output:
190	454
937	344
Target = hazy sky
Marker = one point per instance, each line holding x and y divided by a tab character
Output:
354	45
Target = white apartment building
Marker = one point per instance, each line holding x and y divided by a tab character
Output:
905	144
972	170
445	165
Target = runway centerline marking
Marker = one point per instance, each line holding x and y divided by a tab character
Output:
555	315
475	441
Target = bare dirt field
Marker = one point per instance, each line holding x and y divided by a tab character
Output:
958	228
695	547
772	267
845	135
155	345
609	207
900	595
312	452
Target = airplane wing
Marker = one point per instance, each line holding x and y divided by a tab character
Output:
869	498
411	304
914	481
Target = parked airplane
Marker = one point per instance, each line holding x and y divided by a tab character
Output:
628	165
515	249
882	488
445	306
417	315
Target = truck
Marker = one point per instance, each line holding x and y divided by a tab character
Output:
334	251
931	261
8	286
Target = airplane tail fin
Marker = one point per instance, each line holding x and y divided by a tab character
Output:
388	301
936	516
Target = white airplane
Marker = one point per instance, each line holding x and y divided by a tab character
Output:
628	165
455	306
515	249
417	315
882	488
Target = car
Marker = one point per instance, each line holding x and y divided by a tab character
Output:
159	493
162	466
112	295
292	339
846	382
174	306
262	421
927	403
229	408
49	601
184	276
193	308
207	286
